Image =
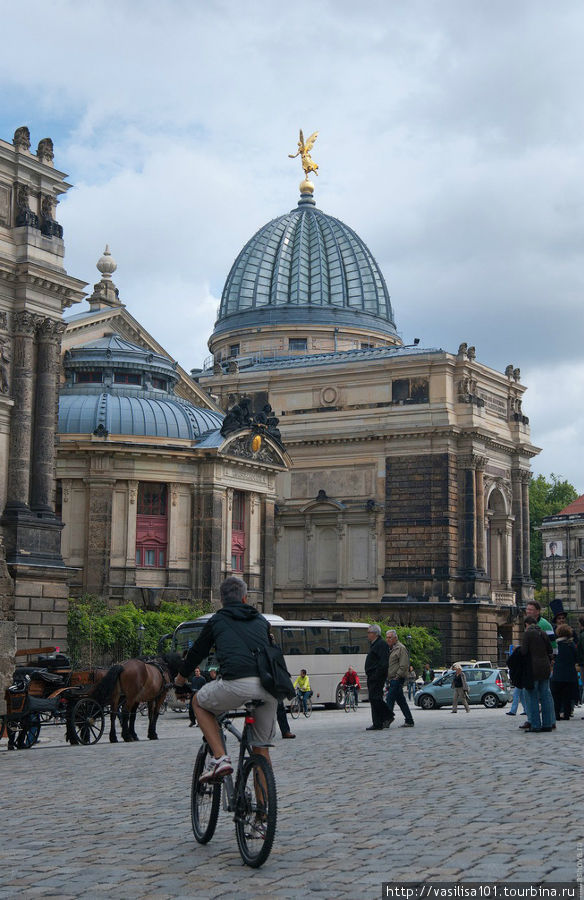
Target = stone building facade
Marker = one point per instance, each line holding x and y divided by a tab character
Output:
34	291
408	495
563	557
156	502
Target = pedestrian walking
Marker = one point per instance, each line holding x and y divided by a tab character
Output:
197	682
460	688
398	666
428	674
376	663
411	683
564	680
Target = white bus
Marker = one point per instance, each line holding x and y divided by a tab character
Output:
325	649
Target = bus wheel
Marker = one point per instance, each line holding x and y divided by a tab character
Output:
339	697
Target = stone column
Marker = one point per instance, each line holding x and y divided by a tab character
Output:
469	515
480	526
208	544
517	510
49	335
525	480
18	488
268	552
99	536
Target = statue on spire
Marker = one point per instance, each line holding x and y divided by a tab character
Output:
303	152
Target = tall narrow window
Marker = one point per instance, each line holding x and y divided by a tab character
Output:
152	525
238	537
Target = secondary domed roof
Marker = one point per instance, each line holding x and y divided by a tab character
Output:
116	387
305	267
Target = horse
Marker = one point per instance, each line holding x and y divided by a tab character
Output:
136	681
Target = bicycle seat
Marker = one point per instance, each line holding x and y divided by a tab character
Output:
254	703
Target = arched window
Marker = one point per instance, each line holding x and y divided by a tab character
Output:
152	525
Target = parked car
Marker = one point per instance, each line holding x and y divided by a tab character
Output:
491	687
473	664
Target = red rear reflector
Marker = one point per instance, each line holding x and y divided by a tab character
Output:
250	720
499	683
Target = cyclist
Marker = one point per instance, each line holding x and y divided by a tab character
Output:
233	630
302	685
350	681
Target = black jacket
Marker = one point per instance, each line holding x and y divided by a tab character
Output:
520	671
235	631
377	661
565	662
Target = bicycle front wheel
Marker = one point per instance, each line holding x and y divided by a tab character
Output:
256	811
347	703
295	707
205	800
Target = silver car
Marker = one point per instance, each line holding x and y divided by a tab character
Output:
490	687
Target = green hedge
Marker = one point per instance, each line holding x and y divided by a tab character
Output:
90	622
423	644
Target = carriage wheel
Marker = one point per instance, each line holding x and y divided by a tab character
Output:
86	721
24	733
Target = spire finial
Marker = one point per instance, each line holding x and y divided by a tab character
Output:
106	264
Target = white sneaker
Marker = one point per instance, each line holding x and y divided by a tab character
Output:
216	769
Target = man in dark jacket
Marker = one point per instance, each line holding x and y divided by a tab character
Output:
536	646
235	631
376	664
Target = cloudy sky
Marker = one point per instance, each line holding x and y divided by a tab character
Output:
451	139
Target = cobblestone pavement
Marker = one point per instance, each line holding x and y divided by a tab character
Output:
471	798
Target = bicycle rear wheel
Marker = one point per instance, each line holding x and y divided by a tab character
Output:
308	708
256	811
205	800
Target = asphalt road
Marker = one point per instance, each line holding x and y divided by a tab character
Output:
465	798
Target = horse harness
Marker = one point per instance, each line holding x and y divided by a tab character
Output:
165	673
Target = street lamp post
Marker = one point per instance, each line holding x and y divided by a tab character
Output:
141	630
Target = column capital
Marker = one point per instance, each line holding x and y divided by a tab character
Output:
50	329
472	461
24	323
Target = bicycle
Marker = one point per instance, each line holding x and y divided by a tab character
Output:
298	705
251	797
350	702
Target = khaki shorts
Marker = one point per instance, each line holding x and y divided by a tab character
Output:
220	696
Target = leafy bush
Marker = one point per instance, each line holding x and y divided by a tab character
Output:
422	643
92	625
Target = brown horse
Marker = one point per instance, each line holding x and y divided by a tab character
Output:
133	682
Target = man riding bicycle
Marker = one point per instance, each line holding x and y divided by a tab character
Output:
233	630
302	685
350	682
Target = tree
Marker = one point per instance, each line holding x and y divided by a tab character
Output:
546	498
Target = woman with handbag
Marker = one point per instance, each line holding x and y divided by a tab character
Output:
460	688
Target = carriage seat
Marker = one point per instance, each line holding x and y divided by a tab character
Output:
37	674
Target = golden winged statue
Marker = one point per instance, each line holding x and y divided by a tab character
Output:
303	152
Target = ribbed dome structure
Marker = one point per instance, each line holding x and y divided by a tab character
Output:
118	388
168	418
305	267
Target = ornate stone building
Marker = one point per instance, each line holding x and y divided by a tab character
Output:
563	556
157	498
409	487
34	291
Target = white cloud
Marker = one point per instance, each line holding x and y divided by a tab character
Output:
451	139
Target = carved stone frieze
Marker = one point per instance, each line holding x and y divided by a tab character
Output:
241	447
66	484
174	493
3	320
472	461
133	492
498	483
4	365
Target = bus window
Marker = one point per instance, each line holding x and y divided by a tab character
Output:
359	642
293	641
340	640
316	639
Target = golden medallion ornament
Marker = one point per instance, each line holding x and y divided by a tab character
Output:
308	164
256	443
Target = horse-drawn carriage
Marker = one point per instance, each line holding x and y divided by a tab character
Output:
49	692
